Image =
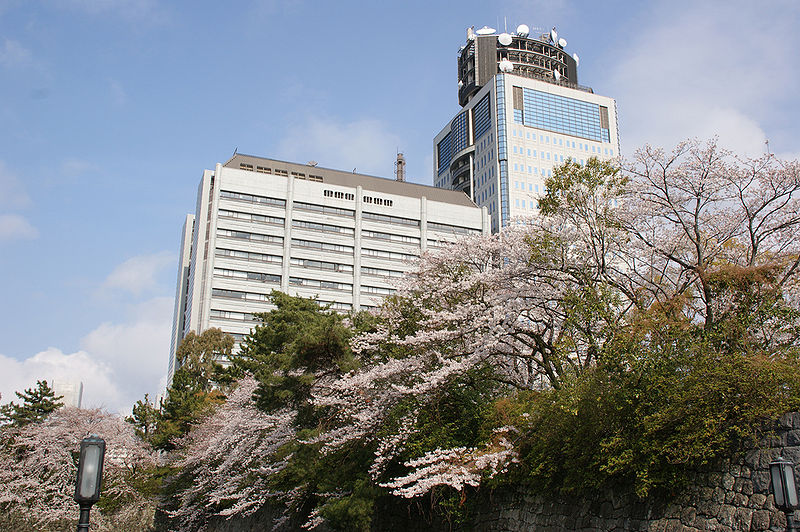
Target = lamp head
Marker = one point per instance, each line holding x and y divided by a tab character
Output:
90	470
783	484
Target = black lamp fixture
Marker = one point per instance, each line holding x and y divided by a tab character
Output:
784	487
90	477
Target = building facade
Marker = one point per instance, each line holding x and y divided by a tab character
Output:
263	225
522	113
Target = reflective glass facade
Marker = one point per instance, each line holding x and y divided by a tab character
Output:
562	115
502	150
483	117
444	154
459	133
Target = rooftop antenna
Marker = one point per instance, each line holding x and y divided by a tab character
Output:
766	143
505	24
576	58
400	167
236	149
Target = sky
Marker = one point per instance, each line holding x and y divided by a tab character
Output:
111	109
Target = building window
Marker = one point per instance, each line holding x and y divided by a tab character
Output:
324	246
314	226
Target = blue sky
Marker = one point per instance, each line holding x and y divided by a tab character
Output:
111	109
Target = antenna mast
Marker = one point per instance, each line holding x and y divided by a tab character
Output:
400	167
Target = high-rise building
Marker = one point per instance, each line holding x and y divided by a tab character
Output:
71	392
263	225
522	113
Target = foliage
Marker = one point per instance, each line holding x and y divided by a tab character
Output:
664	402
193	393
38	467
37	404
638	329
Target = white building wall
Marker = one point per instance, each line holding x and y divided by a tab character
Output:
326	240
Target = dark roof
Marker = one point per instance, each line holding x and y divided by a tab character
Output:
352	179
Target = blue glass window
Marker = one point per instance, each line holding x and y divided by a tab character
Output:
458	130
482	117
563	115
444	154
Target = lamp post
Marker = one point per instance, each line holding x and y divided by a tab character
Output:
784	487
90	477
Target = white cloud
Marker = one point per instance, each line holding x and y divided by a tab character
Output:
686	73
138	274
118	362
365	145
15	227
12	54
18	375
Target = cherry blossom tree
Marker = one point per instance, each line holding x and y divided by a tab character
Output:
697	210
38	468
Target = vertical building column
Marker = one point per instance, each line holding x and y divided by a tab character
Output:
287	235
423	223
208	222
357	251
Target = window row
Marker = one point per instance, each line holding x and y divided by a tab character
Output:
452	228
387	254
249	255
390	219
252	198
236	294
380	272
321	265
390	237
250	276
378	201
317	283
314	226
324	209
339	195
253	237
325	246
250	217
377	290
232	315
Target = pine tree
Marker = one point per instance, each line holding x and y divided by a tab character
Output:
37	404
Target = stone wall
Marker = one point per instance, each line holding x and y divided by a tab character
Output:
735	497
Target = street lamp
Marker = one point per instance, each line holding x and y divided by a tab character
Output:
784	487
90	477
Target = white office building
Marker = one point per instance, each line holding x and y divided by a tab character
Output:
523	113
71	392
263	225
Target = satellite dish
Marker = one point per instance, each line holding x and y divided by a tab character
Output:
562	42
506	65
504	39
557	75
486	30
577	60
523	30
553	35
460	84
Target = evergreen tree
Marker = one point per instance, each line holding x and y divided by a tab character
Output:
194	391
37	404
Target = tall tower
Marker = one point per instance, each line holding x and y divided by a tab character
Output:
522	113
